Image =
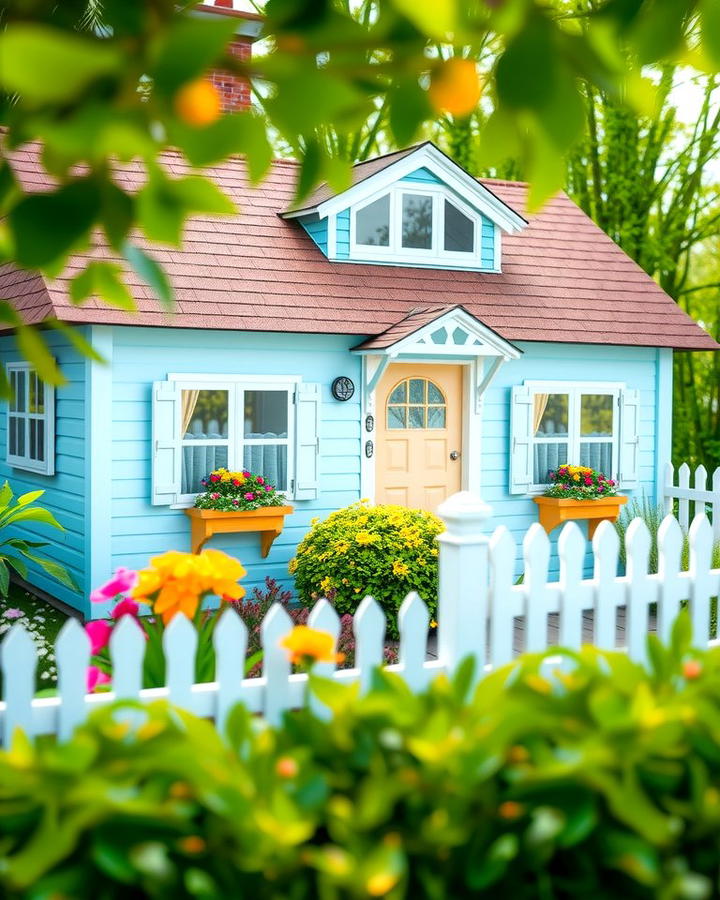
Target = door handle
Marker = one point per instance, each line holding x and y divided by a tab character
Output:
454	454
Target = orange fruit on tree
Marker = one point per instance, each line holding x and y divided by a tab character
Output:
455	87
198	103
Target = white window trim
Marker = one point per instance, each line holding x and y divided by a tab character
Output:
236	386
396	253
46	466
575	389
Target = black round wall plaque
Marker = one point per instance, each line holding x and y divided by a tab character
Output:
369	449
369	423
342	388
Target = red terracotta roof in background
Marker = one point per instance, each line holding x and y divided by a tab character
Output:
563	279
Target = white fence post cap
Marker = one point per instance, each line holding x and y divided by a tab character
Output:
463	513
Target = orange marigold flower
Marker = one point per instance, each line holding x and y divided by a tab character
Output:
286	767
177	582
308	645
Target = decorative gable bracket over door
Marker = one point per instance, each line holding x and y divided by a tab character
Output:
437	333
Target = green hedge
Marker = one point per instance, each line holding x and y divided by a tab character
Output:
602	782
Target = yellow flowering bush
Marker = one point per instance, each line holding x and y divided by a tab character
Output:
385	551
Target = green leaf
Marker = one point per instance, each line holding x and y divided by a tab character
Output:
164	204
436	18
526	72
30	497
31	344
47	65
6	495
30	514
243	133
17	564
54	569
104	280
332	99
4	578
188	49
710	11
73	208
84	347
408	108
151	272
658	30
118	212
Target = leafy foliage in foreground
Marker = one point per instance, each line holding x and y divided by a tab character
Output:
601	781
16	552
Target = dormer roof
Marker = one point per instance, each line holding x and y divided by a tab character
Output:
383	171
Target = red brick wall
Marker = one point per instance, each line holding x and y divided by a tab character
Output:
235	92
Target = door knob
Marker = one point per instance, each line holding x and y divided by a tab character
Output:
454	454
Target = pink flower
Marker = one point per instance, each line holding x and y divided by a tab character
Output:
214	496
249	496
96	677
126	607
260	479
246	473
99	633
565	487
611	482
588	481
13	614
235	501
268	487
214	478
123	580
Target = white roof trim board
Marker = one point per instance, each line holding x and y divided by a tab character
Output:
426	156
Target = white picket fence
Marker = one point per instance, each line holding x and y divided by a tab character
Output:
699	495
482	613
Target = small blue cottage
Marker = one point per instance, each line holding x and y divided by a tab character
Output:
416	334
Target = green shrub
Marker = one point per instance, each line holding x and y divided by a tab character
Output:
384	551
602	782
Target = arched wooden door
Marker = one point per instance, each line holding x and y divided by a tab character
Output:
419	434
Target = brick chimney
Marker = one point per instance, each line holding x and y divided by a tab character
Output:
235	92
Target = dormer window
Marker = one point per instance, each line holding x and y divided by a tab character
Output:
416	224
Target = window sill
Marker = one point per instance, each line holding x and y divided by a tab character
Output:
554	511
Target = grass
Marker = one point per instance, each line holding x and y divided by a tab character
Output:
41	620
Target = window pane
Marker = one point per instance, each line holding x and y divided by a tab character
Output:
20	392
266	414
20	436
459	230
417	390
436	417
547	459
12	436
597	455
33	438
417	221
417	416
13	390
204	415
199	461
396	417
268	460
596	415
40	445
550	415
32	393
399	394
40	396
372	223
435	395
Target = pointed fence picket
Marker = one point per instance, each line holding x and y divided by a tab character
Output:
482	612
702	499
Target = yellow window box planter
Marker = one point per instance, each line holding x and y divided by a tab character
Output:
554	511
269	521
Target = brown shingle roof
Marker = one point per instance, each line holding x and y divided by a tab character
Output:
563	279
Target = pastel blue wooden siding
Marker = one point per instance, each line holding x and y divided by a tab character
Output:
317	228
65	491
419	176
141	356
637	367
342	227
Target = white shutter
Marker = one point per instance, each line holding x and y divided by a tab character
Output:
307	441
629	463
166	445
521	433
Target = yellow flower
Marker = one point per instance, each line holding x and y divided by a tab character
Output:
292	565
177	582
433	623
365	537
326	584
576	477
342	547
434	551
308	645
362	520
314	520
400	568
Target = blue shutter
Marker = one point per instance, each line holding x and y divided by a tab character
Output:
165	443
521	434
629	462
307	442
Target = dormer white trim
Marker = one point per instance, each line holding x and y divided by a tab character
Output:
426	156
